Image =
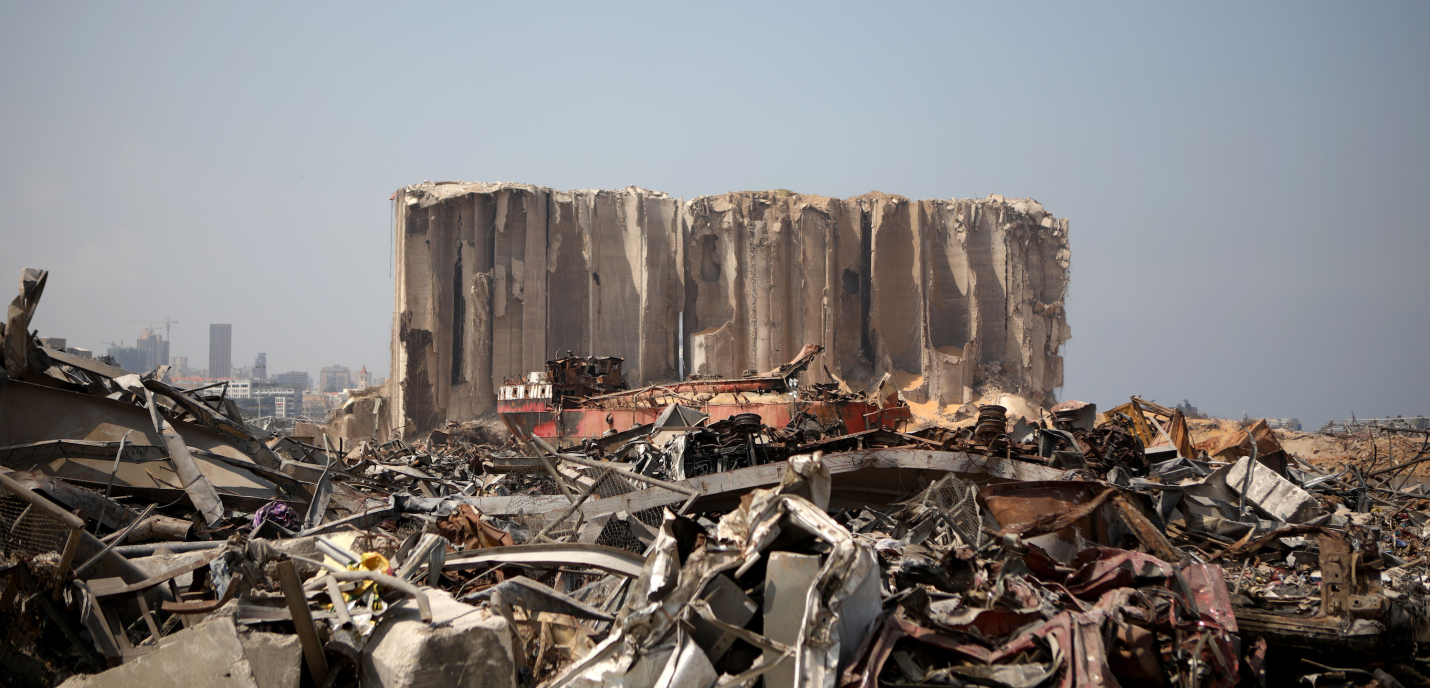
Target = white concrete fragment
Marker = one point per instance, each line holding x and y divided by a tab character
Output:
1272	493
462	647
276	659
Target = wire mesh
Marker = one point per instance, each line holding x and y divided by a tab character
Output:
610	485
652	517
617	533
958	499
29	534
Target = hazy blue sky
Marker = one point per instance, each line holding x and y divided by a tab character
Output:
1246	183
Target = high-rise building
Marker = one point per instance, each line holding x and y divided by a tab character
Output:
296	379
364	379
220	351
155	348
260	367
130	358
334	378
180	364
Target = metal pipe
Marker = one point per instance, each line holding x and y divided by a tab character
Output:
1246	482
134	551
115	542
424	608
585	494
550	468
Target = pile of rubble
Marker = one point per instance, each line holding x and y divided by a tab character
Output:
148	536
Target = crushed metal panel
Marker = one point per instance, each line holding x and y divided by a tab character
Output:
788	580
200	490
860	478
14	349
608	559
31	413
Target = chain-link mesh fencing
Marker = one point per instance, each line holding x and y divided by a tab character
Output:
958	500
31	535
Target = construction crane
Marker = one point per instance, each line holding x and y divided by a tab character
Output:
167	324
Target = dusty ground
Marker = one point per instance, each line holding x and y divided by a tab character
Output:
1333	451
955	416
1329	452
1326	452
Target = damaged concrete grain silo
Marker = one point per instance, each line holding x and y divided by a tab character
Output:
951	298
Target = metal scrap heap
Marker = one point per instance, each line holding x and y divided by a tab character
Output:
714	533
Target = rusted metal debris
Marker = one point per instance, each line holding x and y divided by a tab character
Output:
713	532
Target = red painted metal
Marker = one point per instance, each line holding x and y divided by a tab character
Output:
576	424
529	405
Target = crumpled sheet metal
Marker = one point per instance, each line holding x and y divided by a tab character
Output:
14	347
1076	639
634	652
1085	620
1238	443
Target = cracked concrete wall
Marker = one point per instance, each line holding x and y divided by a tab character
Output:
954	299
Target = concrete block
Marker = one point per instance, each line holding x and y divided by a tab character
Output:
1272	493
276	659
462	647
207	655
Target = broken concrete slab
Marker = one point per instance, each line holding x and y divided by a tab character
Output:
1271	493
463	646
275	658
209	654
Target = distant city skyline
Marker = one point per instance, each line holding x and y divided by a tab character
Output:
151	349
